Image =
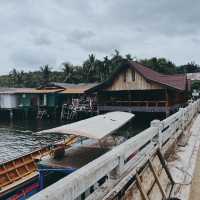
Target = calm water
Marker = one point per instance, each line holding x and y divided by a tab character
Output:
18	138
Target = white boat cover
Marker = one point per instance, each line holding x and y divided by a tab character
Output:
95	127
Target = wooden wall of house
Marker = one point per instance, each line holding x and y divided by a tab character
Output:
131	95
131	80
51	100
28	100
175	97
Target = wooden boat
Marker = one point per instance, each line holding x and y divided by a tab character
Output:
21	171
19	178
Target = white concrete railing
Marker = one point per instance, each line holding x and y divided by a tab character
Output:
118	160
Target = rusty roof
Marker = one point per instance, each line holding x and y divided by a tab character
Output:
46	91
78	88
177	82
65	89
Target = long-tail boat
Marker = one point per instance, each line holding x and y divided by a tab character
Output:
19	172
24	176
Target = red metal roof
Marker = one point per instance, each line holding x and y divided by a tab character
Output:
178	81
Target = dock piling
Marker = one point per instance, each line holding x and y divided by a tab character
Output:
11	114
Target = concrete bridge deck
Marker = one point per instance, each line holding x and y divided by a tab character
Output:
136	170
195	190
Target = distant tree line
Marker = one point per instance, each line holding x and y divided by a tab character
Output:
92	70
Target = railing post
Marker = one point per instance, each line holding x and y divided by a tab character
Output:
117	172
182	120
158	124
198	105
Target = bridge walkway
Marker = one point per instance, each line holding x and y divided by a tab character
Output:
195	191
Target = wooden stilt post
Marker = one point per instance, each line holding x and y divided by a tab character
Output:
11	114
26	113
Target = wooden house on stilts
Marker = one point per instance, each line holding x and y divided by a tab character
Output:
136	88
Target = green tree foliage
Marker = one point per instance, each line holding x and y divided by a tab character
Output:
160	65
196	85
92	70
45	71
191	67
67	72
89	68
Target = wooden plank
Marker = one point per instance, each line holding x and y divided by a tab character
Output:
124	81
138	181
8	177
17	166
157	180
133	108
25	165
162	160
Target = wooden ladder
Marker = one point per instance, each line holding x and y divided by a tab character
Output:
157	180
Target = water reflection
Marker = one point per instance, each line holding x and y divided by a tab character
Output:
18	138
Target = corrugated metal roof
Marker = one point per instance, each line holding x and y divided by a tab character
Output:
28	91
177	82
63	88
46	91
78	88
6	91
95	127
194	76
15	90
64	85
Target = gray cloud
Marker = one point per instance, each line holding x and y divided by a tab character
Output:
77	36
32	57
34	33
42	40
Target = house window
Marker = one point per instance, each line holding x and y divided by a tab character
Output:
133	75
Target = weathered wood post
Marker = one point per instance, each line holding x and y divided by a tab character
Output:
11	114
26	113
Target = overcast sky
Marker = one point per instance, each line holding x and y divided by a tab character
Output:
34	33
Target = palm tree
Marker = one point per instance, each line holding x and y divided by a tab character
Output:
116	61
68	71
16	78
46	71
106	67
98	71
89	67
128	57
